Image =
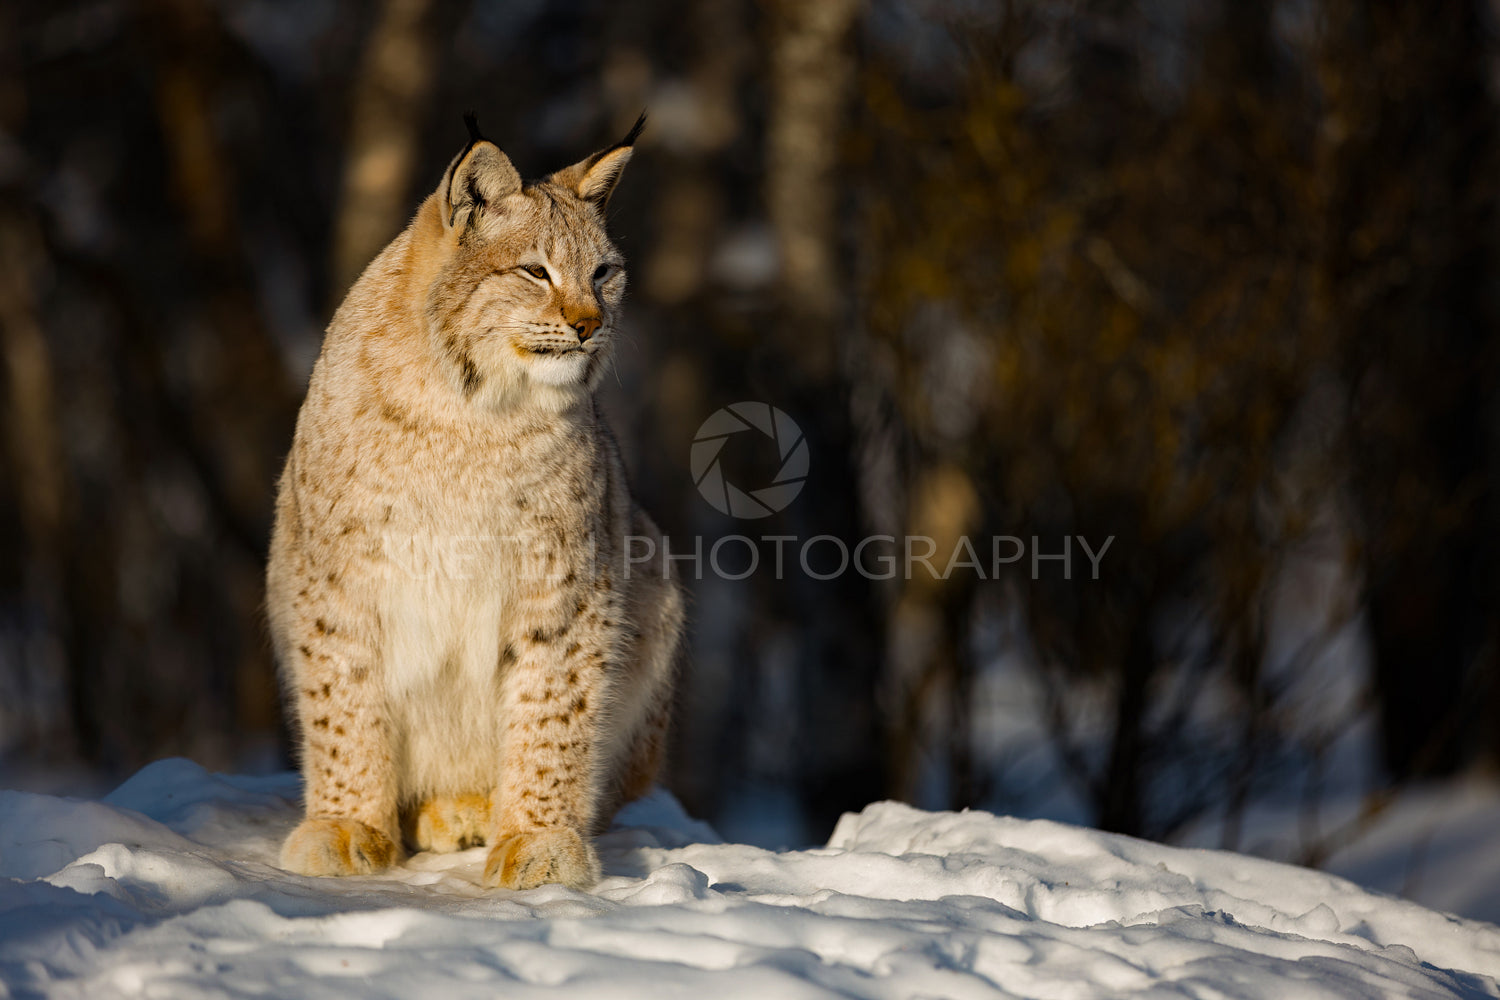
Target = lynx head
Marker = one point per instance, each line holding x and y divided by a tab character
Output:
527	287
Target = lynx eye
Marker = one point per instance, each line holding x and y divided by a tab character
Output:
601	272
537	271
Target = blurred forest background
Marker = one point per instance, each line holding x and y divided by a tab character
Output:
1219	279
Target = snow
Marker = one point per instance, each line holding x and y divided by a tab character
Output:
167	888
1438	845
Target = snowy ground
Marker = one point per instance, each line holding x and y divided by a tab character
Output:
166	888
1437	844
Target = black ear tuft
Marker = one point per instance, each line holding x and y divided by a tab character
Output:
634	133
594	177
478	178
628	141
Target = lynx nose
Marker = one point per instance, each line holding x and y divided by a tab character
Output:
585	327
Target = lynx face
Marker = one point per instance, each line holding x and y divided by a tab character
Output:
531	293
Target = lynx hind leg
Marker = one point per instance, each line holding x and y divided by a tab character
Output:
446	823
643	760
639	761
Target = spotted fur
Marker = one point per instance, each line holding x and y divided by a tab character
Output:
466	657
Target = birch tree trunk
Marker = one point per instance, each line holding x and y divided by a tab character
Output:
395	80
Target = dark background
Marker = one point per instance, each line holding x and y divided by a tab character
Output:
1217	279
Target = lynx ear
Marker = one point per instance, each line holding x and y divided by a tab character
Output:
477	179
594	179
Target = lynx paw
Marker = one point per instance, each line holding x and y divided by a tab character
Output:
326	845
447	823
527	860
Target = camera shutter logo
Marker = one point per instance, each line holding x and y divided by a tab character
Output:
740	418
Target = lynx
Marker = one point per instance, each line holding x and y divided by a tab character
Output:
467	659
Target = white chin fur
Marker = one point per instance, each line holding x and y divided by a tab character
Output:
560	369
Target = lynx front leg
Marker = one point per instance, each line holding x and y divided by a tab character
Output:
351	827
545	804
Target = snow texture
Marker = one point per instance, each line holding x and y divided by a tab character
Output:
168	888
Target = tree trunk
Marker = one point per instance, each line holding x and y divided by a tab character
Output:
390	95
1408	261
